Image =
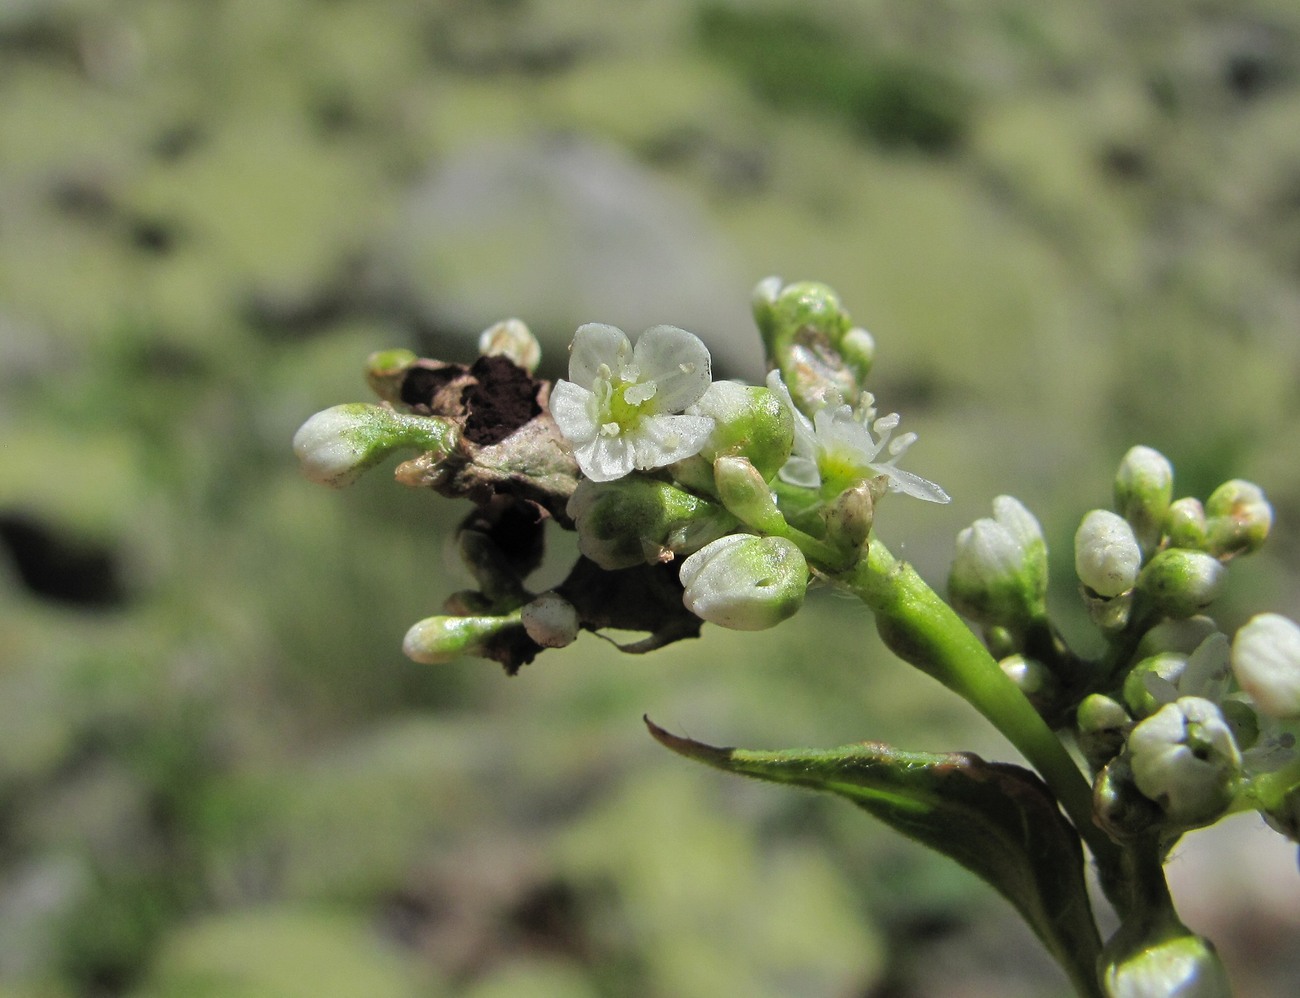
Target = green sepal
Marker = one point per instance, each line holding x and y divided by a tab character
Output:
997	820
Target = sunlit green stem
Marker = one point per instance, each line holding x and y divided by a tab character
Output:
920	627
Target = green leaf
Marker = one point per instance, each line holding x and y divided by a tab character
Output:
997	820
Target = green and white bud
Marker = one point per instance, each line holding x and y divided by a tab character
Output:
1185	759
435	640
1186	525
999	571
749	422
1155	672
551	620
336	446
1239	519
746	494
385	372
1144	486
513	340
1103	725
1183	636
1181	965
636	520
744	582
1181	583
1266	662
1106	554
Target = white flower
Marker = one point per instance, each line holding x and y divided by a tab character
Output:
621	406
839	447
1185	758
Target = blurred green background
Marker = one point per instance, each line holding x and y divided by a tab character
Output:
1071	227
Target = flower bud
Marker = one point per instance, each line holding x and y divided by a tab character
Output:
1266	662
1119	808
1144	487
1181	964
850	515
999	571
1102	724
551	620
1239	519
744	582
804	328
1106	554
746	494
385	372
1185	759
749	422
635	520
1186	525
435	640
1180	582
513	340
336	446
1153	682
1183	636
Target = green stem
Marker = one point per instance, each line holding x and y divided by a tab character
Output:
920	627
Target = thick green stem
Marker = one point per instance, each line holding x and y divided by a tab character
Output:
921	628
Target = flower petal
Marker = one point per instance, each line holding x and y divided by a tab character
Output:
661	440
677	362
574	410
605	458
801	471
594	344
912	485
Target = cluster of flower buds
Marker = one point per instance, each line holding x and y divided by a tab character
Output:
1194	724
734	496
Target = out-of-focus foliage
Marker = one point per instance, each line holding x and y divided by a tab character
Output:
217	773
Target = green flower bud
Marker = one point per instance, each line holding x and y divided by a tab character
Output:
749	422
551	620
848	518
512	339
1266	662
1180	582
999	571
1239	519
1144	487
385	371
1103	726
635	520
435	640
1185	759
744	582
1179	964
1117	804
336	446
1186	525
746	494
804	329
1106	554
1031	677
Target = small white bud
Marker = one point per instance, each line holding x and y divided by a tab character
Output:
1266	662
435	640
744	582
512	339
1239	519
1182	583
1106	553
1143	489
551	620
999	570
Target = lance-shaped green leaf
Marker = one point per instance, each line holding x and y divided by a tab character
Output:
997	820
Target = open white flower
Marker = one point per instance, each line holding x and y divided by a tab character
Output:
841	446
621	407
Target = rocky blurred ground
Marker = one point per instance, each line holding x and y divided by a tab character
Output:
1069	229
